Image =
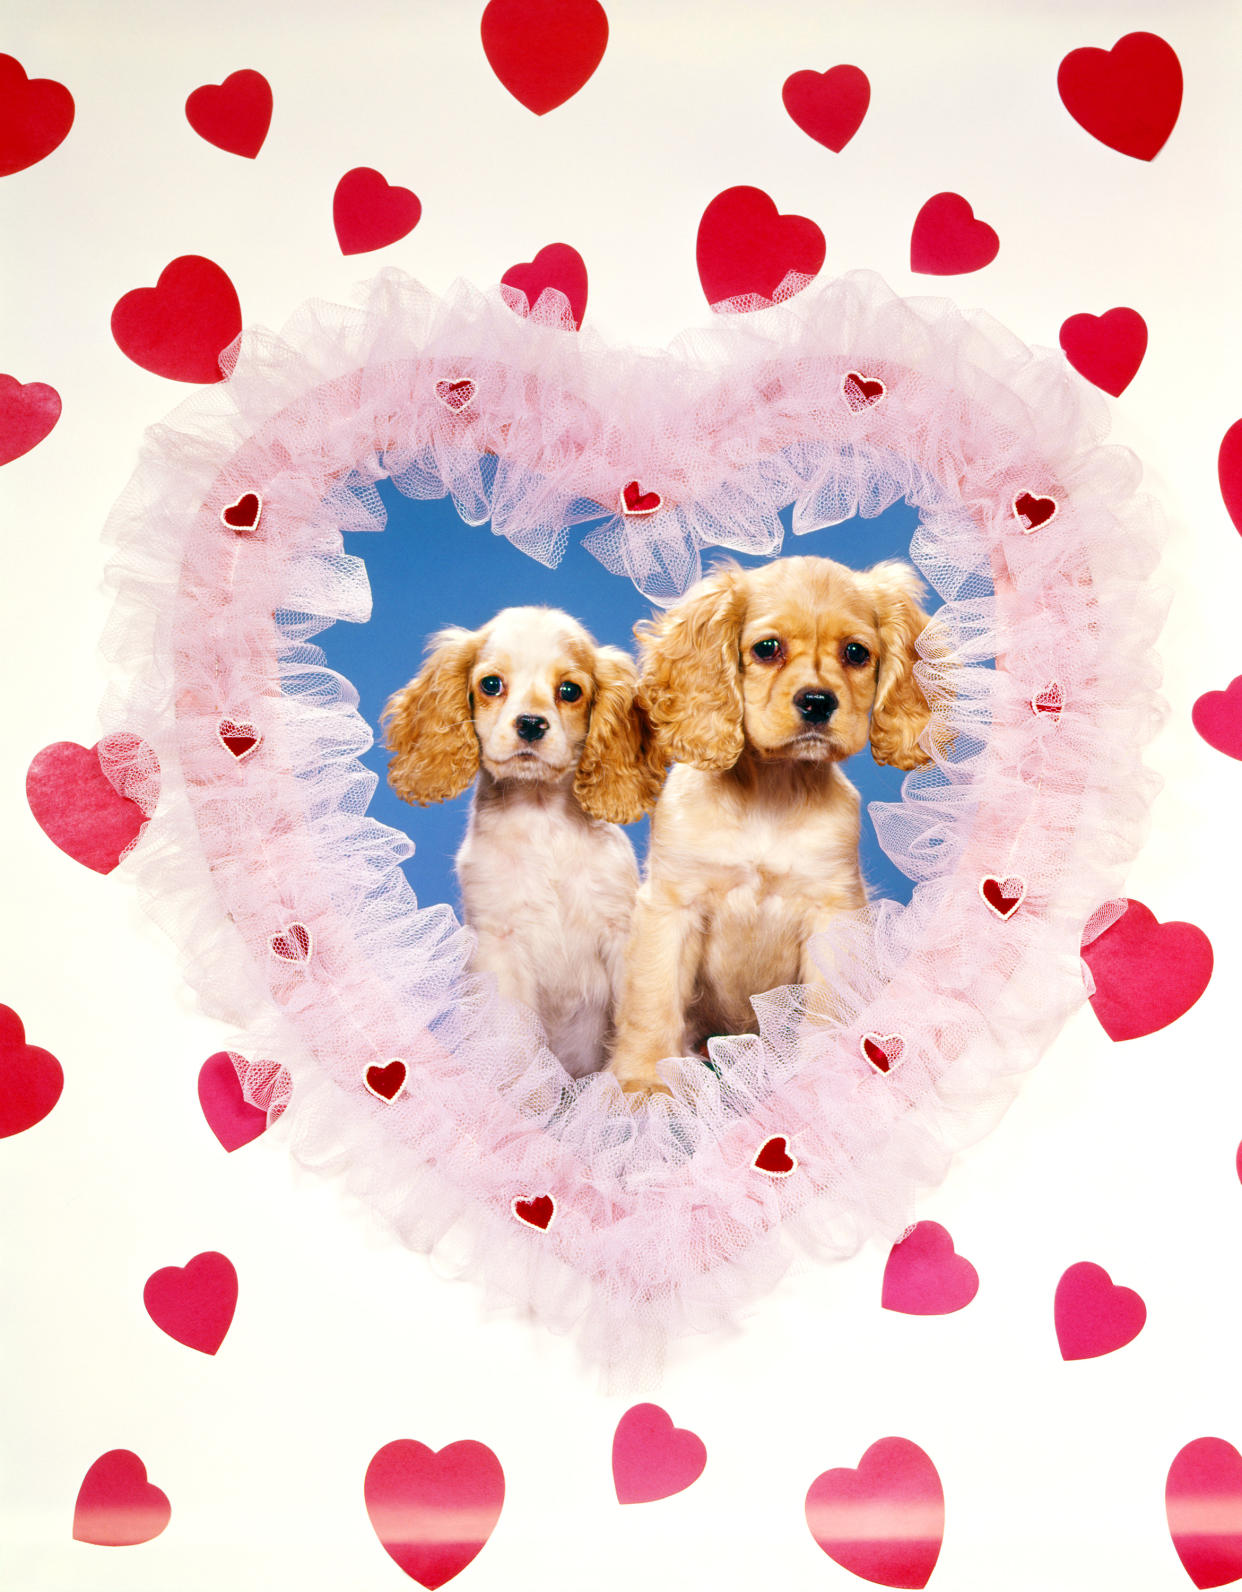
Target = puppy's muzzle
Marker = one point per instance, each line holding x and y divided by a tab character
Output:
530	727
815	707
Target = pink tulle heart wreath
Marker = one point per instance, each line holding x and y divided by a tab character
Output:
662	1219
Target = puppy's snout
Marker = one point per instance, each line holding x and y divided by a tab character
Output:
530	726
815	707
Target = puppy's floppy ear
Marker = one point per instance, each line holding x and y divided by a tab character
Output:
690	673
428	724
619	777
901	712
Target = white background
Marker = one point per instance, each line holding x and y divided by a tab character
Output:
1124	1155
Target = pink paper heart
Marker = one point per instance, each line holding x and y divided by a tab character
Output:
1229	472
181	326
543	51
433	1512
1107	349
558	268
234	115
117	1507
948	239
746	248
1094	1316
652	1458
194	1303
1217	716
31	1080
36	114
1203	1505
78	808
370	214
885	1520
1147	974
27	415
828	106
230	1116
925	1276
1128	97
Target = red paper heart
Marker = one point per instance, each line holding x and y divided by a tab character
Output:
1128	97
181	326
925	1276
386	1083
293	943
370	214
456	393
1217	716
231	1117
948	240
234	115
1049	699
537	1211
543	51
883	1051
1147	974
79	809
774	1157
1203	1504
36	114
1031	512
635	502
1107	349
239	736
557	266
652	1458
1093	1315
245	514
828	106
861	392
433	1512
885	1520
194	1303
1229	472
746	247
27	415
31	1079
1003	896
117	1507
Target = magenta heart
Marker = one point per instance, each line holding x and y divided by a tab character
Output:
1229	472
181	326
948	240
774	1157
194	1303
27	415
117	1507
1107	349
386	1083
79	809
1128	97
557	268
1147	974
828	106
1217	716
746	248
885	1520
652	1458
925	1276
1203	1505
370	214
433	1512
234	115
1093	1316
31	1080
230	1116
538	1211
36	114
543	51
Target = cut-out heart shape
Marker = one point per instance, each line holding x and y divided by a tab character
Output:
634	501
456	392
180	327
828	106
1203	1505
293	943
949	240
925	1276
27	414
1147	974
1003	896
433	1512
652	1458
1217	715
231	1117
558	268
747	250
861	392
885	1520
544	51
368	213
538	1211
387	1082
194	1303
31	1080
234	115
36	114
1093	1316
117	1507
883	1051
1107	349
1229	472
1128	97
79	809
774	1157
239	736
1032	511
1049	699
244	514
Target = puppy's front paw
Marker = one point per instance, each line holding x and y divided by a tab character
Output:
637	1076
639	1088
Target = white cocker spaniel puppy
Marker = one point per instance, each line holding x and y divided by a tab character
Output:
547	723
759	683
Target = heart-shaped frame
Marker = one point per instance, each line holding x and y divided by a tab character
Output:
662	1222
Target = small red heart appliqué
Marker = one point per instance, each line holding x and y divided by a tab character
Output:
433	1512
861	392
883	1051
368	213
27	414
234	115
1217	715
885	1520
117	1507
949	240
1032	512
456	393
635	502
828	106
1128	97
774	1157
244	514
558	269
925	1276
181	326
1203	1506
31	1079
293	943
194	1303
1147	974
538	1211
36	114
1003	896
1049	699
239	737
79	809
544	51
1107	349
652	1458
746	248
1093	1316
386	1082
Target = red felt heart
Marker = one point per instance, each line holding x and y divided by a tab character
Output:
231	1117
369	214
828	106
774	1157
861	392
181	326
557	266
1107	349
885	1520
883	1051
1031	512
386	1083
543	51
245	514
234	115
746	247
1229	472
456	393
1049	699
117	1507
1003	896
948	240
79	809
239	736
36	114
433	1512
1203	1504
1217	716
635	502
652	1458
925	1276
27	415
1092	1315
31	1079
1147	974
194	1303
293	943
535	1212
1128	97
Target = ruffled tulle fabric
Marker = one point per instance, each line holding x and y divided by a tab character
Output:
661	1224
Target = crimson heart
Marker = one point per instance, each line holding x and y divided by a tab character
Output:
239	736
774	1157
925	1276
433	1512
885	1520
828	106
79	809
1203	1505
369	214
883	1051
1217	715
1128	97
652	1458
1049	699
36	114
234	115
27	415
543	51
1147	974
1003	896
557	266
1032	512
948	240
180	327
1092	1315
1107	349
117	1507
456	393
746	248
194	1303
386	1083
31	1079
635	501
244	515
861	392
1229	472
292	944
231	1117
537	1212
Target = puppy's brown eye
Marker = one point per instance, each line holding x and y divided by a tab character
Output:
569	691
491	685
856	654
768	650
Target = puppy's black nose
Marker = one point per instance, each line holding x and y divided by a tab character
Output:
815	707
530	726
